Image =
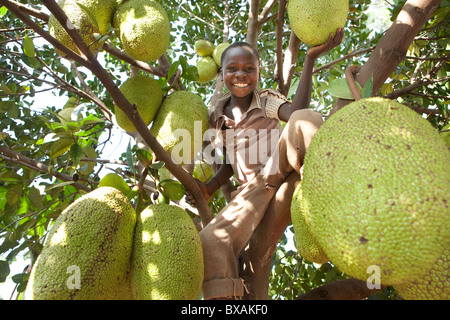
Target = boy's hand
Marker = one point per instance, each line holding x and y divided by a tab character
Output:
191	200
332	42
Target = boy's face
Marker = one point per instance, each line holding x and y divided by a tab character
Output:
240	71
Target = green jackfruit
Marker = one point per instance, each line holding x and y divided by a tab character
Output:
144	29
207	69
203	48
180	124
313	21
376	181
217	53
81	18
88	250
167	255
146	94
306	245
434	285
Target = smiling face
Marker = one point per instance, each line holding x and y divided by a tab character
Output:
240	71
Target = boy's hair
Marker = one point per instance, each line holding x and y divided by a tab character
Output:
240	44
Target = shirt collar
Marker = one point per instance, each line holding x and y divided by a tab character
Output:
216	110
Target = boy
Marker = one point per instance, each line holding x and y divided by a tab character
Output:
247	121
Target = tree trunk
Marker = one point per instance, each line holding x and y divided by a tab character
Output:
392	48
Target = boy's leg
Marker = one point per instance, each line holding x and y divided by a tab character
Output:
227	234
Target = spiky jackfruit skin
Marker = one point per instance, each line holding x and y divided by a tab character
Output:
101	10
313	21
167	255
144	92
144	29
180	124
92	239
306	245
434	285
376	179
207	69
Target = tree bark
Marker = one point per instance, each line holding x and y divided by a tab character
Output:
348	289
392	48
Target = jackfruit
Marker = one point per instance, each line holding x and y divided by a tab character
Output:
116	181
376	181
313	21
167	255
434	285
143	91
203	48
100	10
217	53
305	243
180	124
144	29
207	69
88	250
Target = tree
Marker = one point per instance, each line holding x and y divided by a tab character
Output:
51	156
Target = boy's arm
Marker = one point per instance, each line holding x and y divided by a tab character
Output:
302	96
221	177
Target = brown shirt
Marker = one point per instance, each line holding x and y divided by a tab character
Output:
250	140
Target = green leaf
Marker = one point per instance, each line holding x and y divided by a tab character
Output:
129	158
157	165
28	47
366	91
173	69
144	157
59	185
339	88
76	153
90	15
172	189
4	270
5	88
14	193
60	147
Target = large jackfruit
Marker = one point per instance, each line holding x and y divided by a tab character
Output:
434	285
376	180
144	29
144	92
88	250
100	10
313	20
167	255
180	124
305	243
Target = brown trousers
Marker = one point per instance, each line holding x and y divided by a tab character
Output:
228	233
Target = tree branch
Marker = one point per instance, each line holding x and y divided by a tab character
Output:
348	289
133	62
279	38
13	156
392	48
